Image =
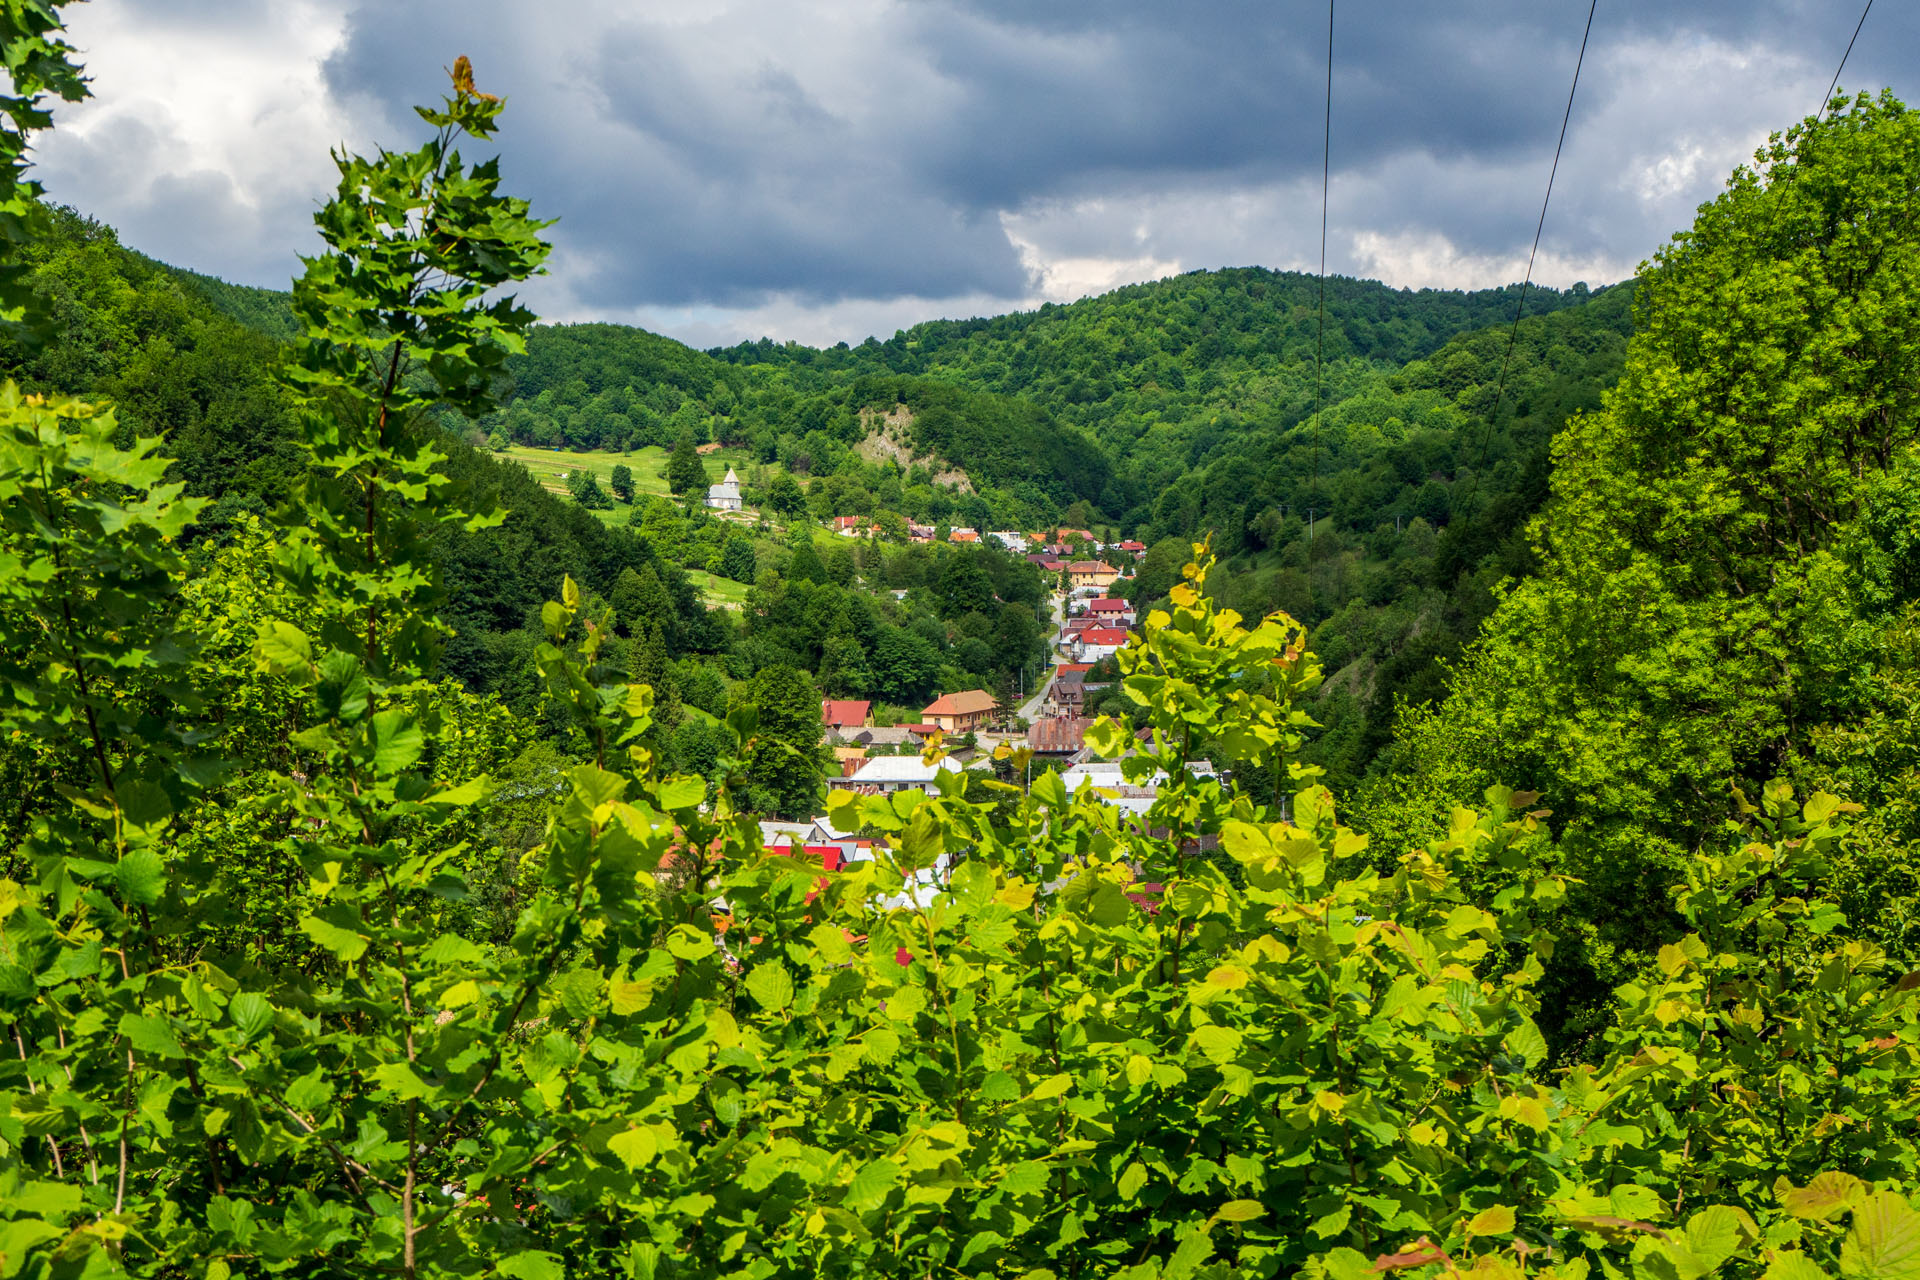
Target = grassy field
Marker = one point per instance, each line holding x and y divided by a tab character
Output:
723	593
550	467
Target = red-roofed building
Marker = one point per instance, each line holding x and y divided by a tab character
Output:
1132	548
854	526
962	535
840	716
1091	646
1110	611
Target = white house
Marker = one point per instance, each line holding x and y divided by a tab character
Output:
1012	540
884	775
725	496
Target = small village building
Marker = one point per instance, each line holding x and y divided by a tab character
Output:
855	527
961	712
1092	573
725	496
1012	540
919	532
1132	548
1060	736
1111	612
1091	646
885	775
962	535
843	717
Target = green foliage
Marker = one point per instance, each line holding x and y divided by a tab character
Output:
1720	558
38	67
587	492
316	965
686	474
621	482
779	713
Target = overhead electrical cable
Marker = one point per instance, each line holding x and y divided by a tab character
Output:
1513	336
1320	339
1828	100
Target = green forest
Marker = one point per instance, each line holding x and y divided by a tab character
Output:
1525	890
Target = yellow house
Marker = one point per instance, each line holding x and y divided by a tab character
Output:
1092	573
961	712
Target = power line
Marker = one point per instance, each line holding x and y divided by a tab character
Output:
1824	102
1513	336
1320	339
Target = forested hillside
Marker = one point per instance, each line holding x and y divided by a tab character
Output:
388	883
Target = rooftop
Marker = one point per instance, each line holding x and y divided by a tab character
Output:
965	702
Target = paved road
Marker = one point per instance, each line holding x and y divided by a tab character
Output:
1030	709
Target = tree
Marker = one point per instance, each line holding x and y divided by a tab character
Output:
964	586
785	496
737	559
805	566
621	482
1704	603
586	490
785	761
640	600
686	474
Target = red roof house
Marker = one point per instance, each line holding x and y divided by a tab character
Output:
839	714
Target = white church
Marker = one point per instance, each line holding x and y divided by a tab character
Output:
725	496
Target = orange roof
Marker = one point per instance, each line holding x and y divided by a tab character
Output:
1091	566
1103	636
960	704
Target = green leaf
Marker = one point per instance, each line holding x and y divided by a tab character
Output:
1526	1042
151	1035
1331	1225
682	792
1884	1243
400	1079
345	944
634	1147
687	943
283	650
251	1012
1240	1211
1025	1178
1828	1195
1051	1087
1495	1220
395	740
871	1185
593	786
142	877
1349	1264
770	984
532	1264
311	1091
1794	1266
1132	1178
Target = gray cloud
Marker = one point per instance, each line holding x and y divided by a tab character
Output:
812	165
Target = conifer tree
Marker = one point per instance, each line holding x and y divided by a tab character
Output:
686	474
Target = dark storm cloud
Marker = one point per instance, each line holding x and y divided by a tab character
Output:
726	158
760	159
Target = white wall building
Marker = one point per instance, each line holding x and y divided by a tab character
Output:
884	775
725	496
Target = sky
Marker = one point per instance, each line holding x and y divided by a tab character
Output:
820	171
